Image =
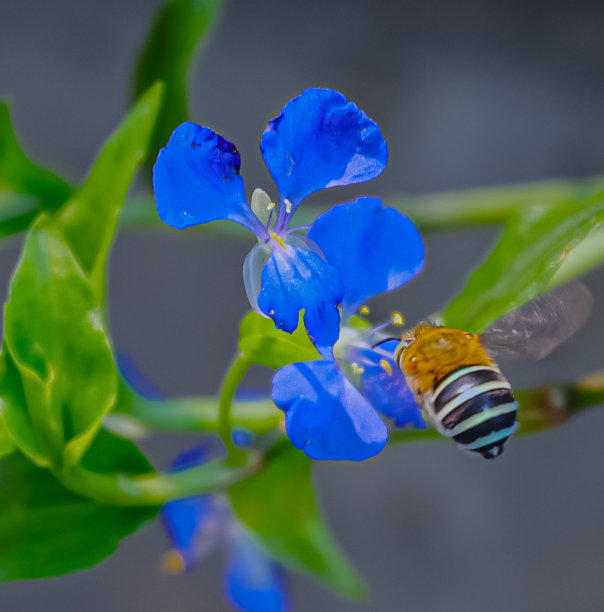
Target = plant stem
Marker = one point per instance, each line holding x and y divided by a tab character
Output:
234	376
192	414
155	489
433	211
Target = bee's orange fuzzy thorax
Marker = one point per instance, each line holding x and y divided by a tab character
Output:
436	351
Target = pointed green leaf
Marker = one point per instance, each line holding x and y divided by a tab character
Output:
25	187
179	27
55	335
45	530
279	506
261	342
533	245
88	221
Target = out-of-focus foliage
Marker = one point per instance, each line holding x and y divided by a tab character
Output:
89	219
45	530
25	187
279	506
179	27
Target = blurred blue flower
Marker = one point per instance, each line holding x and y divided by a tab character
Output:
326	415
319	140
253	582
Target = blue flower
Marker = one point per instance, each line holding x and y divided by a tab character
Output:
319	140
326	415
253	582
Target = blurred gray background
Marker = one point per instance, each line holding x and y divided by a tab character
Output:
467	94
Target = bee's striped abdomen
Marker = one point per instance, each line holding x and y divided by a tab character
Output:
475	406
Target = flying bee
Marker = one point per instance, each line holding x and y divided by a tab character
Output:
456	381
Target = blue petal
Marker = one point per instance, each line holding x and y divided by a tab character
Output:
326	416
375	249
388	391
193	524
136	379
294	279
253	582
196	180
321	140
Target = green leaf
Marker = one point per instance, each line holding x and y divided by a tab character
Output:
278	505
45	530
6	440
88	221
533	245
588	256
261	342
25	187
16	415
55	336
179	27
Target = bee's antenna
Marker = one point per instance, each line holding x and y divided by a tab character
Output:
384	341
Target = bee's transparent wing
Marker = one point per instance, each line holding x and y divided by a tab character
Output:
534	330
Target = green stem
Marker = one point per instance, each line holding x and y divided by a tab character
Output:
234	376
156	489
434	211
192	414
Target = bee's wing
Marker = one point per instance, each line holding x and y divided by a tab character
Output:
534	330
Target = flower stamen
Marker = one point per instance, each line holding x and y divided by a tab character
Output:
385	365
397	318
278	240
173	563
356	368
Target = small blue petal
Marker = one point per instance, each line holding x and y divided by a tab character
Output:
321	140
326	416
389	392
242	437
190	458
196	180
253	582
193	524
188	522
378	250
294	279
136	379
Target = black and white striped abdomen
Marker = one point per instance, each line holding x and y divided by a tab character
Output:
475	406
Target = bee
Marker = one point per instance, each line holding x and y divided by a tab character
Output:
457	382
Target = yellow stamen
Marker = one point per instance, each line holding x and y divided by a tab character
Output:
364	309
278	239
397	318
386	366
173	562
356	368
270	206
